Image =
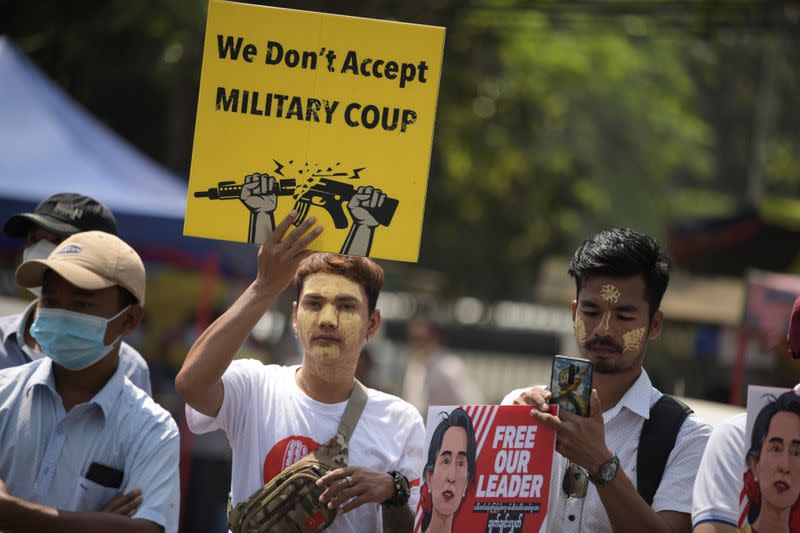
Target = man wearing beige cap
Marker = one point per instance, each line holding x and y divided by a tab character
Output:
75	431
55	218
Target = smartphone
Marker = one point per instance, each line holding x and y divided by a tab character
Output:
571	384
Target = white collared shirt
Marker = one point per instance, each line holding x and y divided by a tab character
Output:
623	425
46	452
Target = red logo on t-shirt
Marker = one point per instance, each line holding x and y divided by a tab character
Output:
286	453
314	521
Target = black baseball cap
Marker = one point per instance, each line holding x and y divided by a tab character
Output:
64	214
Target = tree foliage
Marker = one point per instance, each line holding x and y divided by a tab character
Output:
554	120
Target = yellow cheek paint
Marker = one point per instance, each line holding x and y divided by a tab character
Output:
609	293
306	321
580	331
350	327
633	339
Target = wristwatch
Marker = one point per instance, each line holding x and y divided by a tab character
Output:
607	472
402	490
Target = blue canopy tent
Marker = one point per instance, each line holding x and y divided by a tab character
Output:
50	144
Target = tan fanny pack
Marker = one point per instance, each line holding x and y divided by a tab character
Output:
289	503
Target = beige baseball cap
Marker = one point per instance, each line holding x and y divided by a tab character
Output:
91	260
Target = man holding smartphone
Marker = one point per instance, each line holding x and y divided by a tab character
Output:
571	384
620	277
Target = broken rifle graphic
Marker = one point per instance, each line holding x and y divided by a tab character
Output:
329	194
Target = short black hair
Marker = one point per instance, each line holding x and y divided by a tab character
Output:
125	297
623	252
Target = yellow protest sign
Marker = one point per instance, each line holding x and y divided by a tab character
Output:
330	115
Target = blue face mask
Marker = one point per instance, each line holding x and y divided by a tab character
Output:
72	340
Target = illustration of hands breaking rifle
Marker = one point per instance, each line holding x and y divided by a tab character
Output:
368	206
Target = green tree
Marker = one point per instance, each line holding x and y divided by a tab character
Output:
555	119
552	131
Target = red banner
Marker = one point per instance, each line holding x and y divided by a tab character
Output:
487	469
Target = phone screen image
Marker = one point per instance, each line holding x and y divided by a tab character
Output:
571	384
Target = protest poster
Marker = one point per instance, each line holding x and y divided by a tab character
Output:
328	115
771	485
487	468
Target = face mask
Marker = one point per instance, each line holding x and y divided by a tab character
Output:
40	250
73	340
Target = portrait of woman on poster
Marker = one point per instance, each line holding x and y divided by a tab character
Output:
449	471
772	481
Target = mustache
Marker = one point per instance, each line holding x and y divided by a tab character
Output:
602	342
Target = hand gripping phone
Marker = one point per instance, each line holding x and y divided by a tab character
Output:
571	384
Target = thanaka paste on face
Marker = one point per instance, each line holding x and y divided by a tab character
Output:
580	330
605	319
611	294
633	339
348	325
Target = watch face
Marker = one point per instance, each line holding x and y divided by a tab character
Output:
607	472
609	469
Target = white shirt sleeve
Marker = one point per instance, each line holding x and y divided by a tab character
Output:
236	402
675	491
720	477
153	468
412	456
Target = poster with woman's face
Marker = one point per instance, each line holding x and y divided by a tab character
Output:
487	469
771	485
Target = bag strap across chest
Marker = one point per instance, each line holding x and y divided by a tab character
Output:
333	454
352	413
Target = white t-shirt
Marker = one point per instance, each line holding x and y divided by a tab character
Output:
719	481
271	423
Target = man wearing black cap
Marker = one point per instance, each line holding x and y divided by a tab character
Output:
54	219
717	503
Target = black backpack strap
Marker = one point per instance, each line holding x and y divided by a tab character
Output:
656	442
